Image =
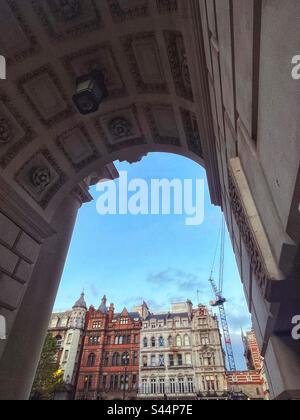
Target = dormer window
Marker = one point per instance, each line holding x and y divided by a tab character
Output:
124	321
59	340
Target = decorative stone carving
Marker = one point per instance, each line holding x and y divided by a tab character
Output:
185	71
120	128
15	132
179	65
192	134
6	133
132	9
40	177
65	9
248	236
167	6
82	194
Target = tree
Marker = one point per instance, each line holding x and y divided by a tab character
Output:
49	375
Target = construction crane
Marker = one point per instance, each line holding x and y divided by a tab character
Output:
220	300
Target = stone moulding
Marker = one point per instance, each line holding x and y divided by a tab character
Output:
263	265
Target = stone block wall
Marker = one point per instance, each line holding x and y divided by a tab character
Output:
18	254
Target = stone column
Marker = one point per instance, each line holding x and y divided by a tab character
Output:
20	358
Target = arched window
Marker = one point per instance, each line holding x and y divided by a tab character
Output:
187	341
145	342
91	360
153	342
116	359
161	341
170	341
178	341
125	359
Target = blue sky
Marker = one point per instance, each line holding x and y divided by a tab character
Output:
153	258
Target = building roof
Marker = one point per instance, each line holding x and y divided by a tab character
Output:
61	314
81	303
103	307
167	315
132	315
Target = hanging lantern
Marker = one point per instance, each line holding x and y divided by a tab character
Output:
90	92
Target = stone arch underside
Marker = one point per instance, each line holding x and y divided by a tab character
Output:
196	78
145	50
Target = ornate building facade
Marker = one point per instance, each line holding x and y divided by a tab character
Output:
109	366
68	330
181	354
252	383
142	355
209	358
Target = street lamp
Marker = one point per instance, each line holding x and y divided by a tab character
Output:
90	92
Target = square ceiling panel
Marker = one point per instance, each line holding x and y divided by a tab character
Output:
45	94
120	129
21	43
77	146
69	18
162	121
41	177
145	63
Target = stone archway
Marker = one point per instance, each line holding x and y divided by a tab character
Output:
197	78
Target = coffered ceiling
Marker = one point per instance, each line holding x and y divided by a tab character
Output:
145	49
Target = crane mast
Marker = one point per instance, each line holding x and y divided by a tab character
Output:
220	301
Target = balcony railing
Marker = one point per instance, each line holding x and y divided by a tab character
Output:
167	391
153	367
172	367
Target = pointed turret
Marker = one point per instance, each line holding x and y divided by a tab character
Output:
81	303
103	307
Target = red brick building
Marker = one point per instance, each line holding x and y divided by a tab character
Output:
252	383
109	367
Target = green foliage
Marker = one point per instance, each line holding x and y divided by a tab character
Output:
48	376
